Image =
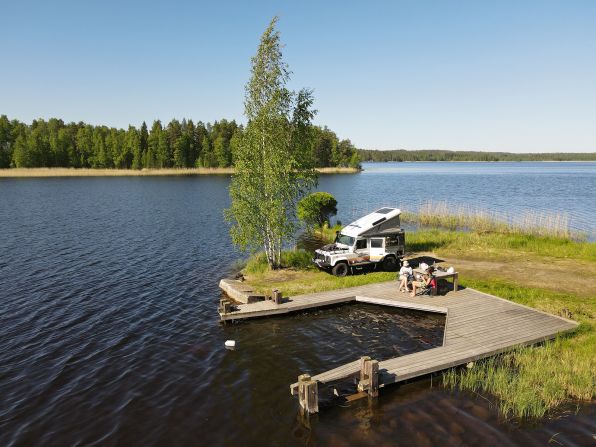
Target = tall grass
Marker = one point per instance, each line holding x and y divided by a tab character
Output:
532	381
444	215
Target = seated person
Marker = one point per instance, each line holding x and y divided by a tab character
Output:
428	281
405	275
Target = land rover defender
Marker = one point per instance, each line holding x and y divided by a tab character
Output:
375	240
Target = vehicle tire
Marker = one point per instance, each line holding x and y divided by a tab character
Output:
390	264
340	269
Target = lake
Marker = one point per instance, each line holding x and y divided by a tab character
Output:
109	333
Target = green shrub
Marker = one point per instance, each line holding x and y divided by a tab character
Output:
298	259
316	209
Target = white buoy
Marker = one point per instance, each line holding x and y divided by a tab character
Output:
230	343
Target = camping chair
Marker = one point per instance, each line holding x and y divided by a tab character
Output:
424	290
427	290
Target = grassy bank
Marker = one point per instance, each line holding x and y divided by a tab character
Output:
300	276
84	172
533	381
553	274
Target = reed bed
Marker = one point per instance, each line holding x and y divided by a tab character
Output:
531	382
464	217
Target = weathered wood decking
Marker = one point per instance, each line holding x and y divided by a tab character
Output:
477	325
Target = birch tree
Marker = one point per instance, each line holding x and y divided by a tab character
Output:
273	157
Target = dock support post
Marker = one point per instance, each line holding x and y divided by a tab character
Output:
225	306
369	376
308	394
276	296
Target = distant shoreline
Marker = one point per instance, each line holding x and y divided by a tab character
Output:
431	155
89	172
482	161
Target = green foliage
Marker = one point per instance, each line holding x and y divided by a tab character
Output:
271	160
292	259
441	155
6	141
179	144
56	144
328	150
317	208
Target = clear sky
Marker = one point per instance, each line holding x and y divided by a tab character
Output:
515	76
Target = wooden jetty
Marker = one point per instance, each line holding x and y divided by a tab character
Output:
477	325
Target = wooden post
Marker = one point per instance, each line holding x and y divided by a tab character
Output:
225	306
363	361
455	282
276	296
373	374
308	394
369	376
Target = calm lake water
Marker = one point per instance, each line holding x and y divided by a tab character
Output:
109	333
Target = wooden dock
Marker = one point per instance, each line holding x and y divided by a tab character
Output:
477	325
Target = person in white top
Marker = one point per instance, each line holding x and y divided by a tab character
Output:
404	273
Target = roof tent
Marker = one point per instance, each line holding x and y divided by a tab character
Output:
382	222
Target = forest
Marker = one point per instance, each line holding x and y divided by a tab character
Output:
178	144
443	155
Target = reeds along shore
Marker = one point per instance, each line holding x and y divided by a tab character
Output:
444	215
88	172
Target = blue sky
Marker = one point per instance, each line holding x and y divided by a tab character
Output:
514	76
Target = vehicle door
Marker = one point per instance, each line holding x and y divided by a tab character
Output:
361	250
377	248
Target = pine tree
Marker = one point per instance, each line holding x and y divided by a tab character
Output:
6	142
134	142
153	145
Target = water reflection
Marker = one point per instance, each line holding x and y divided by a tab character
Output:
421	414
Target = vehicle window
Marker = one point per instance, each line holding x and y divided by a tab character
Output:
360	244
346	240
376	243
392	241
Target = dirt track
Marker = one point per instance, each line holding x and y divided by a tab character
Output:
555	274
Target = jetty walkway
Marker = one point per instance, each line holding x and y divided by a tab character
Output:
477	325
